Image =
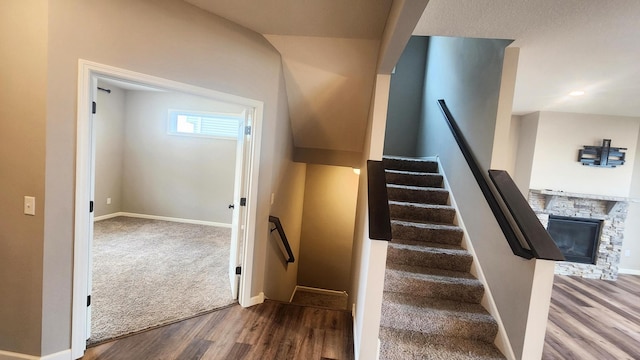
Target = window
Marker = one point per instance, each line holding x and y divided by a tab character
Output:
214	125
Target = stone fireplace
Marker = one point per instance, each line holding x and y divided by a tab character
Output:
608	212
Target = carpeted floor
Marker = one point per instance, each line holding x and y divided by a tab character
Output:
149	272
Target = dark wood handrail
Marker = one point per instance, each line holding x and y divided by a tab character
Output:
379	219
283	238
536	236
501	218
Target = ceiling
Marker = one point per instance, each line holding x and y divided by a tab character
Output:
363	19
564	45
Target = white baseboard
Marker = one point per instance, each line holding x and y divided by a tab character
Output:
356	336
258	299
317	291
427	158
163	218
108	216
629	271
62	355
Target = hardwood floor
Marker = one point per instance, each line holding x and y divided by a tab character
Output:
271	330
594	319
588	319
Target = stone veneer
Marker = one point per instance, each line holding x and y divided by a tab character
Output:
613	212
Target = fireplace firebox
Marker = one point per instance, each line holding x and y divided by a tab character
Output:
577	238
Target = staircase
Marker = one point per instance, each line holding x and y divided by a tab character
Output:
431	303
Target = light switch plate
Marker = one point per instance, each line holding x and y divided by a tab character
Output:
29	205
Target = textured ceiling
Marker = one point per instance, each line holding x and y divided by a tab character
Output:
564	46
363	19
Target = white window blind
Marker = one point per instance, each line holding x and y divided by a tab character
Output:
204	124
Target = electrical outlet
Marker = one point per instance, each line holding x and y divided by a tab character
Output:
29	205
108	201
627	253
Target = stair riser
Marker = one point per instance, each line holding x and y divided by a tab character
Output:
414	213
404	165
443	325
418	196
457	292
444	261
425	180
441	236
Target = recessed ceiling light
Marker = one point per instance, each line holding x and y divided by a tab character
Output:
577	93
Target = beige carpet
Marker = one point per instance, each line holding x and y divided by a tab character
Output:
149	272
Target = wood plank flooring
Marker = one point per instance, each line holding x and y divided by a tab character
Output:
594	319
271	330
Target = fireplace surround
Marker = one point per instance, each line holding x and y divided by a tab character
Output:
609	211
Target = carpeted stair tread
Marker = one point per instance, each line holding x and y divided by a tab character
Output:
431	302
424	231
409	164
413	178
410	345
400	210
418	243
433	255
437	317
417	194
431	282
462	277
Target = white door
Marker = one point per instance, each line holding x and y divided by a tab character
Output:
239	203
92	171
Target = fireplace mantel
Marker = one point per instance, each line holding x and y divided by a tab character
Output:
613	202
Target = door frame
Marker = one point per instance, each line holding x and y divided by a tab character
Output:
88	72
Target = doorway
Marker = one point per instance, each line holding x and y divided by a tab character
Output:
164	184
245	189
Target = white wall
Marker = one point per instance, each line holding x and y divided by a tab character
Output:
109	127
173	175
145	170
630	261
527	137
326	240
164	38
504	148
329	83
369	256
514	144
560	136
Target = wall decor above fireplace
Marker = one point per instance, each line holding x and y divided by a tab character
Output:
602	156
